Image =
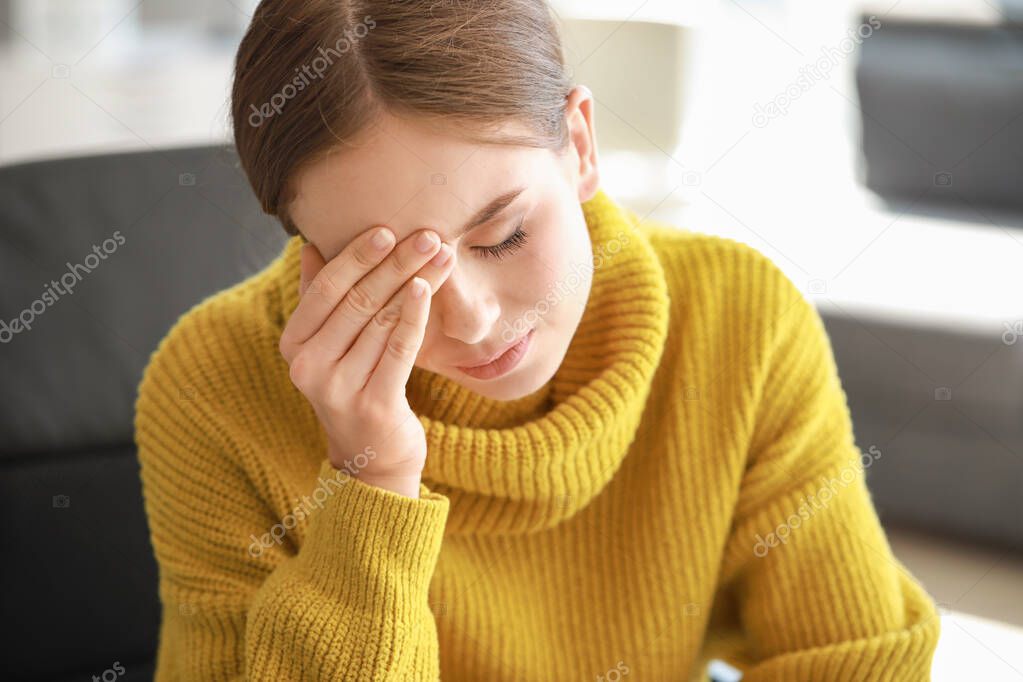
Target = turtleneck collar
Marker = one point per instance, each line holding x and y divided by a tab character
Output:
524	465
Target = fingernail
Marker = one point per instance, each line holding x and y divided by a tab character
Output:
418	287
442	256
382	239
425	242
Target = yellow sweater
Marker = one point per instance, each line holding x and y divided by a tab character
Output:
685	487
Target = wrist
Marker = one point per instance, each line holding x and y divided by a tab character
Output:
403	485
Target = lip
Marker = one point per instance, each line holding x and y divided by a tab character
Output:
504	362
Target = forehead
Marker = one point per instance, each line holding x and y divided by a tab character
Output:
406	176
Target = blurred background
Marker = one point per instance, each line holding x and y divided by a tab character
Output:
874	151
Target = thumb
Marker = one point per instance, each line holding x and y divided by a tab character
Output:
312	262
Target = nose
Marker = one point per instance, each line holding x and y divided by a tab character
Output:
467	311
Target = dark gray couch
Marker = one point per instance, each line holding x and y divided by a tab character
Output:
942	136
78	574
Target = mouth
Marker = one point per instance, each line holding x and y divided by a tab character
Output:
503	362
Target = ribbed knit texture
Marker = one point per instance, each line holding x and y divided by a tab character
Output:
614	525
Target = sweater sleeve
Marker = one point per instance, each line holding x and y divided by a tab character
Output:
819	593
349	604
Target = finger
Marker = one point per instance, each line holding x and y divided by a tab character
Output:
356	366
329	285
433	272
402	347
365	298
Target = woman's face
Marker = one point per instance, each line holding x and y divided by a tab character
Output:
410	177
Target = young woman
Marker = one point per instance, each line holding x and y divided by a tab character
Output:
480	422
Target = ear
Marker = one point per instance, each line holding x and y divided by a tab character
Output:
583	140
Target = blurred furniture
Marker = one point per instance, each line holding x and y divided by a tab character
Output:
942	135
966	649
942	103
168	89
630	54
945	408
149	234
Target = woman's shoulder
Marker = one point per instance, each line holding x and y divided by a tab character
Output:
237	311
716	269
223	343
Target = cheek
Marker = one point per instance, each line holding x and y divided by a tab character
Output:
551	281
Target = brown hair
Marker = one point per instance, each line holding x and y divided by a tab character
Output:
310	75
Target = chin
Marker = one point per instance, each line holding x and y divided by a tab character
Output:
520	382
511	387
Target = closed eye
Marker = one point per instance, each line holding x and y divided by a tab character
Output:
509	246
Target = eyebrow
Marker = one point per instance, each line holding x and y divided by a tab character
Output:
491	210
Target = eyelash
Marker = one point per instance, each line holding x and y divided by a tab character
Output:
508	246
